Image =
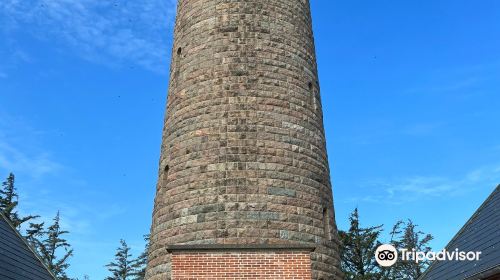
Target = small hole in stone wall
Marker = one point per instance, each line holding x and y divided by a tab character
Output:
326	223
165	175
179	51
310	85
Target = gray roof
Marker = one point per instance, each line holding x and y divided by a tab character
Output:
480	233
18	261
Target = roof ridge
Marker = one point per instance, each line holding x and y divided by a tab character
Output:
462	229
25	241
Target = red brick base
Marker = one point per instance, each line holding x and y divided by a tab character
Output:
241	265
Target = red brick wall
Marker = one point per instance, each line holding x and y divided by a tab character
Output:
241	266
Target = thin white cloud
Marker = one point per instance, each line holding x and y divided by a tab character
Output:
467	81
18	154
11	57
456	85
124	32
21	154
70	220
417	188
35	165
422	129
451	85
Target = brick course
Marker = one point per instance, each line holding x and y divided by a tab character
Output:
242	266
243	157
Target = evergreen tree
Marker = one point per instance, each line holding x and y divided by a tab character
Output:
358	250
34	233
406	236
9	202
140	263
49	243
8	196
122	267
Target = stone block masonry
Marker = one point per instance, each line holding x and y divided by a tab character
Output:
243	157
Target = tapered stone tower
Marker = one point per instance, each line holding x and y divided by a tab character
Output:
244	188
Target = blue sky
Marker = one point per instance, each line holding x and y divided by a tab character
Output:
408	90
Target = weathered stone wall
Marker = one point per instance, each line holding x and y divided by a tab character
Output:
243	158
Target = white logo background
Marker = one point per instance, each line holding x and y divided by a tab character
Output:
386	255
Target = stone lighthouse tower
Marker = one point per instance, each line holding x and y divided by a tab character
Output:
244	189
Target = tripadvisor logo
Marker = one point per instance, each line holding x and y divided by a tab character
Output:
387	255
